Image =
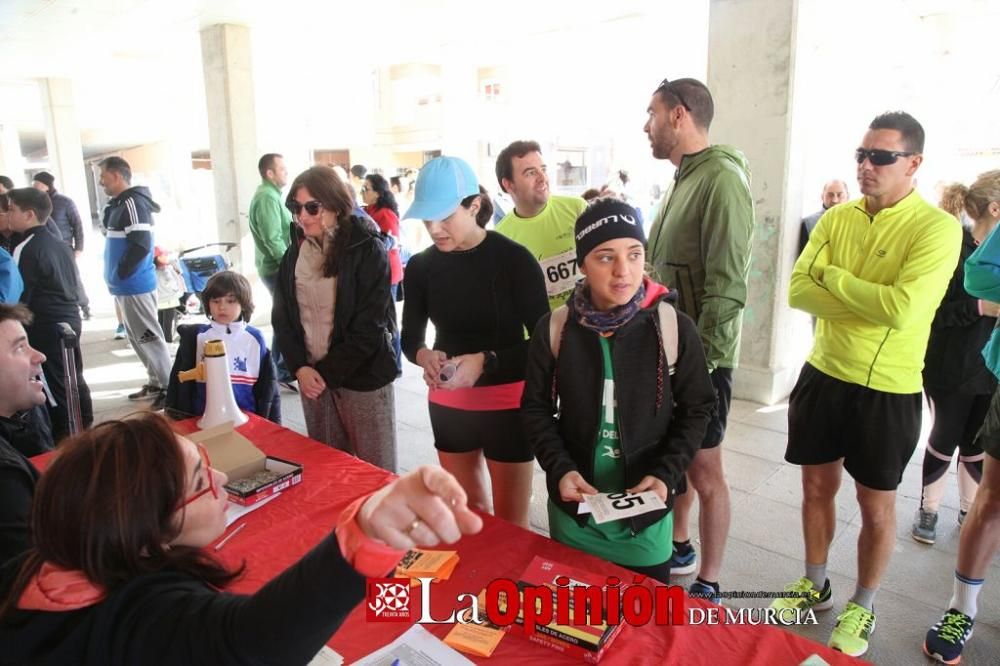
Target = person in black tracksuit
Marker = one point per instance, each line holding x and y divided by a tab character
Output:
335	320
50	292
608	415
65	216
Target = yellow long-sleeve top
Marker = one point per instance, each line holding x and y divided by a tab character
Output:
874	283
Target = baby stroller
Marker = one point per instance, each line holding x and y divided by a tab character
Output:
198	267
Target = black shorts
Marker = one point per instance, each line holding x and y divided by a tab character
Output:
988	438
497	432
722	382
875	432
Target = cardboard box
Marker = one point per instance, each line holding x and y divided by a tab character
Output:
583	642
287	473
229	451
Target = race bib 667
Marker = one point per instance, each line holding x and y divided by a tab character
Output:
560	272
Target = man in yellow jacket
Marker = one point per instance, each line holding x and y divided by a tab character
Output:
873	273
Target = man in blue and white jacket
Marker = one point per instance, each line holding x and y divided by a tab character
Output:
131	274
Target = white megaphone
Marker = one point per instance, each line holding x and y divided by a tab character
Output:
220	403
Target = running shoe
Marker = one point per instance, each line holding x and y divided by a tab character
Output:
925	527
148	393
802	594
854	627
682	565
700	590
946	639
120	332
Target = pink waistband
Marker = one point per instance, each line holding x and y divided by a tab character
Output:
480	398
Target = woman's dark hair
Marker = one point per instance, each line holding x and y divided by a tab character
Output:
225	283
106	506
326	187
379	185
485	213
4	203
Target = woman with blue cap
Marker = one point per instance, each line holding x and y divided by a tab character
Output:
481	291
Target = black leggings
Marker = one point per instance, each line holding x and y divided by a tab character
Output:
957	419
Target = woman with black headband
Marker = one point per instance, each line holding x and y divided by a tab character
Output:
617	396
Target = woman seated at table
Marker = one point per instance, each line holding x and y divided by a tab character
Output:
119	575
625	420
336	321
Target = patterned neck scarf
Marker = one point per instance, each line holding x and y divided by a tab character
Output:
604	322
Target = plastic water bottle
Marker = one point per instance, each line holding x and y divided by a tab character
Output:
448	371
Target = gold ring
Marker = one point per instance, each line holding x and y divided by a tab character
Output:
414	525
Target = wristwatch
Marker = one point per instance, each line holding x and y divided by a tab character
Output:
490	361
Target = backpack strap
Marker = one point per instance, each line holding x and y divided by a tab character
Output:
557	322
668	330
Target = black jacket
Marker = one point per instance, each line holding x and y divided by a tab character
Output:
14	239
181	395
50	278
361	356
660	442
954	359
28	431
171	618
67	218
17	490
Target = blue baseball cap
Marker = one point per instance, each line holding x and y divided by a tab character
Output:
442	184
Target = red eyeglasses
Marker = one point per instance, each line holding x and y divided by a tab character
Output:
207	466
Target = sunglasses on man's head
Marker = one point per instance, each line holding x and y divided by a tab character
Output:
667	86
312	207
879	157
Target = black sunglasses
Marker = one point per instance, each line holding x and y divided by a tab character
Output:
879	157
312	207
667	86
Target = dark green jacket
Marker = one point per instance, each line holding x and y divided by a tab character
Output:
700	245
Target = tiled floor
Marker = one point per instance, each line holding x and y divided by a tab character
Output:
765	546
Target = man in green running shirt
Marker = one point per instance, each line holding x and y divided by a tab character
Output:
540	221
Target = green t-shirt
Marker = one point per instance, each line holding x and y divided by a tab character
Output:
612	541
549	238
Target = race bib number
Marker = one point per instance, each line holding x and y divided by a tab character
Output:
560	272
615	506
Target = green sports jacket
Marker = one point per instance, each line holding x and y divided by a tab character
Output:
700	245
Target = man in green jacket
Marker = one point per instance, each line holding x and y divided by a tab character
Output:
270	224
699	245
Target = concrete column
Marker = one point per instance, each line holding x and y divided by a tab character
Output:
11	159
232	131
751	74
62	138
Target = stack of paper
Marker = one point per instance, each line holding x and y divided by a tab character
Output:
478	639
420	563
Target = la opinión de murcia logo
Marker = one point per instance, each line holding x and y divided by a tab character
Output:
569	602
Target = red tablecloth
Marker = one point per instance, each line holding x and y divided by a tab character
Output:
278	534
